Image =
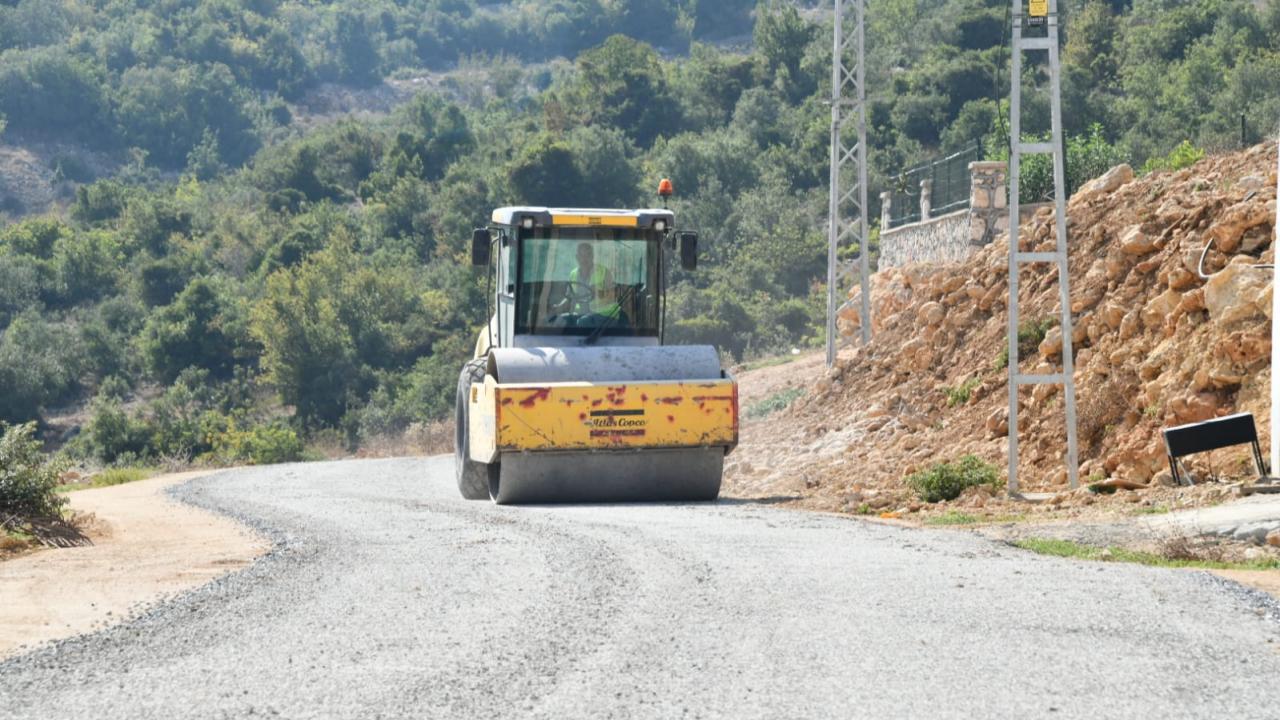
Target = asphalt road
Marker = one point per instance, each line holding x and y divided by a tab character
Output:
387	596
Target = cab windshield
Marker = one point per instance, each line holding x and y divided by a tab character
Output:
575	281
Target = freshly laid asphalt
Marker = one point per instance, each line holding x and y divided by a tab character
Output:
388	596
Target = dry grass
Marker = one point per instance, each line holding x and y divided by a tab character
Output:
1185	548
435	438
1105	407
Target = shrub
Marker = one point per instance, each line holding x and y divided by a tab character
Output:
27	478
113	435
947	480
960	394
261	445
1183	156
1030	334
780	400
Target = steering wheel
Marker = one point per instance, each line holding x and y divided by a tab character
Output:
578	292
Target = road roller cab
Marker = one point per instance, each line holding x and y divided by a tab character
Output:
572	395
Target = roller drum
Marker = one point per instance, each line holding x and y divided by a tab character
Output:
647	475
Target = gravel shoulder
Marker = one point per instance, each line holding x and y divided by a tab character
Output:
385	595
146	546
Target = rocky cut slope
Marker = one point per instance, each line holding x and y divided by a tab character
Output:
1155	345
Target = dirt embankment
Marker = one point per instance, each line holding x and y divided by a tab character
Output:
1155	345
144	546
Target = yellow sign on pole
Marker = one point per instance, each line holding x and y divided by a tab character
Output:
1039	8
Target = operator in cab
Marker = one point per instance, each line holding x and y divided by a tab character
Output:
591	293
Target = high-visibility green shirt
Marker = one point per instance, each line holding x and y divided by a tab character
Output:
600	303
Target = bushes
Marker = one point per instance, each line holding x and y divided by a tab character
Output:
1088	156
40	364
260	445
27	478
182	427
1030	334
113	436
200	329
947	480
1183	156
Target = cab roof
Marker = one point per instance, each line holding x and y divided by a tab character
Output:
582	217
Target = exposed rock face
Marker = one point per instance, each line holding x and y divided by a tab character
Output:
1236	293
1155	345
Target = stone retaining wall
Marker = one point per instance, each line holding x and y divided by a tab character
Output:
952	237
942	239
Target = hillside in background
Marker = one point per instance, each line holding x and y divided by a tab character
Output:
231	264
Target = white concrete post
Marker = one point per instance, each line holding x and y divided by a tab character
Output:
926	198
1275	332
886	210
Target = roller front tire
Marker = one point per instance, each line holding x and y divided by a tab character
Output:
473	477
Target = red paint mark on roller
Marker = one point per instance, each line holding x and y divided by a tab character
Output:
536	395
596	403
506	401
671	418
582	416
734	407
673	400
644	397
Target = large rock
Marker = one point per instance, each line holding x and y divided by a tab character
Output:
1232	224
1112	314
931	314
1236	293
998	423
1160	308
1244	348
916	355
1181	279
1108	183
1196	407
1134	241
1051	346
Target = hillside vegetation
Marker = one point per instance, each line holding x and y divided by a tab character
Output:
235	285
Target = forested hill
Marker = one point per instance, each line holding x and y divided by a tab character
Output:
212	77
220	282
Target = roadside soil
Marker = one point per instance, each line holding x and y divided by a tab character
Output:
1134	520
144	547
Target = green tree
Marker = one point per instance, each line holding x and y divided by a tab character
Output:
623	84
330	324
545	174
781	37
200	329
40	365
1091	42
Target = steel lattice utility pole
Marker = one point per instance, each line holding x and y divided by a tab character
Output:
847	209
1041	11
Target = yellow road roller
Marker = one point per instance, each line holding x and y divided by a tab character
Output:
572	396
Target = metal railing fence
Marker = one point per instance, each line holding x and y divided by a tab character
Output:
949	189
